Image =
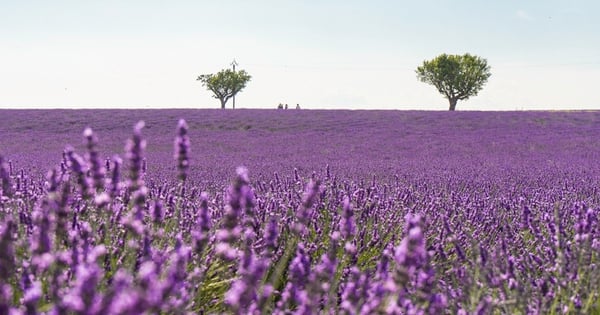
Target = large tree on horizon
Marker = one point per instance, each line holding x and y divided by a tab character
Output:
457	77
225	84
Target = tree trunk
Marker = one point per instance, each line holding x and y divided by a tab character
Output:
453	102
223	101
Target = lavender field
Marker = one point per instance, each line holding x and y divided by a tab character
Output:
299	212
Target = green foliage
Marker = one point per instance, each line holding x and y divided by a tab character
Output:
225	84
454	76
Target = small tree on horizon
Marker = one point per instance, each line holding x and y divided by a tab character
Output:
225	84
457	77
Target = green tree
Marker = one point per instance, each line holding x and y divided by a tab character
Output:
225	84
456	77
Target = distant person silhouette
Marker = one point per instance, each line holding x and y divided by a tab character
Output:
286	107
297	106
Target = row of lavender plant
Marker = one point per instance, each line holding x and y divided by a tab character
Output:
92	239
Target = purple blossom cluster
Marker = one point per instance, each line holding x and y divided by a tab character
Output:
500	218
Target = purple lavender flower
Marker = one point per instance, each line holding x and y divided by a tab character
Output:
271	234
78	166
93	158
31	297
10	168
410	254
6	297
5	178
182	148
381	286
41	242
353	291
483	306
83	296
139	200
239	197
134	150
414	275
203	225
158	212
7	251
525	217
299	272
321	279
114	188
243	291
126	299
305	209
348	227
176	273
53	182
300	267
149	278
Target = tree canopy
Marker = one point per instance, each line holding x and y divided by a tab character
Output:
457	77
225	84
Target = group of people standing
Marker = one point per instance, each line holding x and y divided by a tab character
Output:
281	106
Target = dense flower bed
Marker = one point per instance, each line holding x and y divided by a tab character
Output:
334	212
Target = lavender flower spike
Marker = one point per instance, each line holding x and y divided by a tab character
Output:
348	227
182	148
5	178
78	166
239	197
203	225
96	167
114	188
134	152
7	259
410	255
305	209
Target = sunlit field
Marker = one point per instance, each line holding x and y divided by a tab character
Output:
299	212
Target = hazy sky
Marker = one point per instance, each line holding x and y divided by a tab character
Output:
544	54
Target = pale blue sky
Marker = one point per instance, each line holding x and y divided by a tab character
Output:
545	54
